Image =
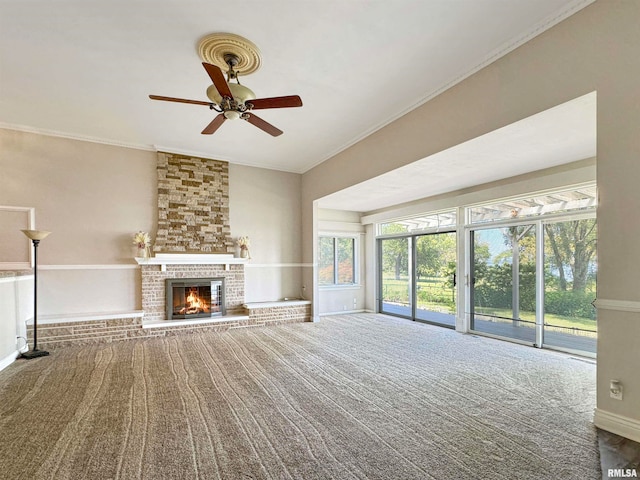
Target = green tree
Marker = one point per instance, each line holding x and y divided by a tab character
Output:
573	247
395	252
434	253
325	260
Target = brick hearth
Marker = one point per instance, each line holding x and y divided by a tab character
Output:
66	331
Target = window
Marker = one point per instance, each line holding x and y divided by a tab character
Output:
419	223
575	199
528	262
336	261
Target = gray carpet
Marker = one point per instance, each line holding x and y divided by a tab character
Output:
354	396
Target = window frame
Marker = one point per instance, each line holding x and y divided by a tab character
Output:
355	260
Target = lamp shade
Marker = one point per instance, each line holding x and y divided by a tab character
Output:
36	234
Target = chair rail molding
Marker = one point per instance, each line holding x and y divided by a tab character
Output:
619	305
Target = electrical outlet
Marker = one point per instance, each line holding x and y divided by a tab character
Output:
615	389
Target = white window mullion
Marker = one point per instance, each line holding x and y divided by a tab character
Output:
539	284
335	261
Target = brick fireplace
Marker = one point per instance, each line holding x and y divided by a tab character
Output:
193	240
155	273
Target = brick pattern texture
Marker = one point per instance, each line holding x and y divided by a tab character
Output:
193	205
59	335
280	314
65	334
153	286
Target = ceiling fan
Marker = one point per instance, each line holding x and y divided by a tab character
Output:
234	100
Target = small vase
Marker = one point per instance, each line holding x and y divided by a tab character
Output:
143	252
244	253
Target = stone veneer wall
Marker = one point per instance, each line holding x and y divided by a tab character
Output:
153	286
193	205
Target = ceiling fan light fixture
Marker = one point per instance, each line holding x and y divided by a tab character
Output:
240	93
228	99
231	115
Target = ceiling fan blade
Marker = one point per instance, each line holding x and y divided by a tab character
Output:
276	102
262	125
218	79
179	100
214	125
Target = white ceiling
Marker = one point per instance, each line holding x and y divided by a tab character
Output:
560	135
84	68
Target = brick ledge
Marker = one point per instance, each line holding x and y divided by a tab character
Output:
195	321
85	317
279	303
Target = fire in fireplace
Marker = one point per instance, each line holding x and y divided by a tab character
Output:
194	297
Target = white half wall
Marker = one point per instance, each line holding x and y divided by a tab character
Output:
16	307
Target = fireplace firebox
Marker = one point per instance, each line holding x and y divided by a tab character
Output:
195	298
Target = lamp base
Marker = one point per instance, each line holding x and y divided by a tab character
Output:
33	354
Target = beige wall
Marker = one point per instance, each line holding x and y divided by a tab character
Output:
265	206
594	50
93	197
340	299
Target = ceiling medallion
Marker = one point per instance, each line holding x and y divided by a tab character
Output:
213	48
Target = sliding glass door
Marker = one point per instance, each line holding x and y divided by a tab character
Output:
435	278
570	285
503	286
395	276
418	277
528	271
539	291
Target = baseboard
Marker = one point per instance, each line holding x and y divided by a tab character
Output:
618	424
8	360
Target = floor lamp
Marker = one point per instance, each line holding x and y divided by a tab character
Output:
35	236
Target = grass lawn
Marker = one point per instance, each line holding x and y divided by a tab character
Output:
549	318
398	291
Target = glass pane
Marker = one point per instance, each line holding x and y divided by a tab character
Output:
345	260
325	261
435	278
419	223
395	282
504	282
394	227
570	285
564	201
